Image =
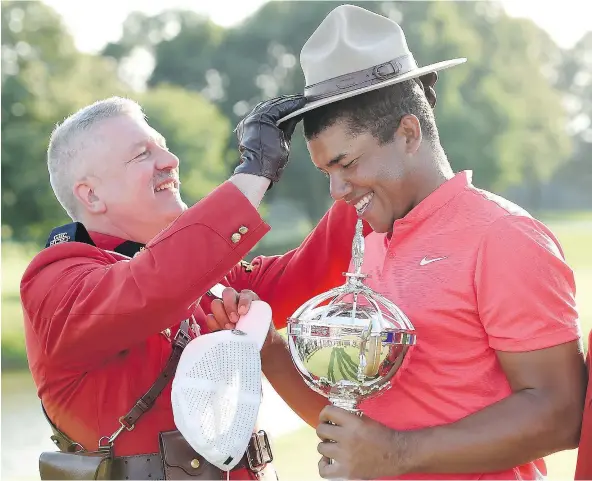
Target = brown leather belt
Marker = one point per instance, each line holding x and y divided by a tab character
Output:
191	464
149	466
176	459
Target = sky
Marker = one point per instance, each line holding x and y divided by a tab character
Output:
93	23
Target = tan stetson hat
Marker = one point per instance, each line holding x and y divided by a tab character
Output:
354	51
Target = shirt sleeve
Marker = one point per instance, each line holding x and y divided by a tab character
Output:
84	305
317	265
525	289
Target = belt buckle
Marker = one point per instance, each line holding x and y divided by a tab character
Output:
182	338
259	451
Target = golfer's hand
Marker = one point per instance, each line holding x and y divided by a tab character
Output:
226	311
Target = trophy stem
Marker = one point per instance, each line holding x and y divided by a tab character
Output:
358	248
348	404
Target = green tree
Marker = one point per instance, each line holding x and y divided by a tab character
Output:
498	114
574	78
44	78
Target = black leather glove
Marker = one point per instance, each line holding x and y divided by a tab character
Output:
264	147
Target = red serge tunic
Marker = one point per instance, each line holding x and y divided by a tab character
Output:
94	318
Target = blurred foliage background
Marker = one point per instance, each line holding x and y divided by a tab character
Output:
518	114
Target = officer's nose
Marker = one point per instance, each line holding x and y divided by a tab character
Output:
339	187
167	160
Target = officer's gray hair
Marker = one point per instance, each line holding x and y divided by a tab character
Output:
70	139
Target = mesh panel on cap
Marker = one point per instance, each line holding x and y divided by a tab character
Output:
220	364
219	394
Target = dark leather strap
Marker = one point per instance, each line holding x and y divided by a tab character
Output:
147	400
65	444
143	466
129	248
360	79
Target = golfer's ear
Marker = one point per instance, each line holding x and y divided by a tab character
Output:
409	131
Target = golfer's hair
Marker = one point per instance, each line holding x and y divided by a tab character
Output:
378	112
69	142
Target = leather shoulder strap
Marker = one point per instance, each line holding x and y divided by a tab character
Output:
147	400
129	248
65	444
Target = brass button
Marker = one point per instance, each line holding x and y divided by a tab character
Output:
195	463
243	230
236	237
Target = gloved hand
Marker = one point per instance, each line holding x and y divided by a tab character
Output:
265	147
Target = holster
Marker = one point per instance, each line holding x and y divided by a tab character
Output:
74	466
181	461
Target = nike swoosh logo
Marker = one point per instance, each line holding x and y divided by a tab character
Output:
425	260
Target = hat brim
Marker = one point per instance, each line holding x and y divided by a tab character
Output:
395	80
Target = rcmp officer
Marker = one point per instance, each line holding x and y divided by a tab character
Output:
114	297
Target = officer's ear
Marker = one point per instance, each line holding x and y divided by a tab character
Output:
84	191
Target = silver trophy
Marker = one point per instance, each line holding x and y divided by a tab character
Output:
349	342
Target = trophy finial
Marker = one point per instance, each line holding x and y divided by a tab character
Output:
358	248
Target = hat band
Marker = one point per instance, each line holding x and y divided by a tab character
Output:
360	79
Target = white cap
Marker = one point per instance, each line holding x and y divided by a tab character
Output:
216	391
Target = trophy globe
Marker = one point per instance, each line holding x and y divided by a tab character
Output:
349	342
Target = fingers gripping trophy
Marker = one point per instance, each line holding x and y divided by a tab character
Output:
349	342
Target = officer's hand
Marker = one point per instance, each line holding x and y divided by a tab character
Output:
265	147
226	311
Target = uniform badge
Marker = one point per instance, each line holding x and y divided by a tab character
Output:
59	238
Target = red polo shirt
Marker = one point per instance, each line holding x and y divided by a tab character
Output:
93	318
475	274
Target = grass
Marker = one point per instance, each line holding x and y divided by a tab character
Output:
574	231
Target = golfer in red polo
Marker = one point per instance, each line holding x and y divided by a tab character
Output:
497	379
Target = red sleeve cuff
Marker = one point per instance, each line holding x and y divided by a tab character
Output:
527	344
